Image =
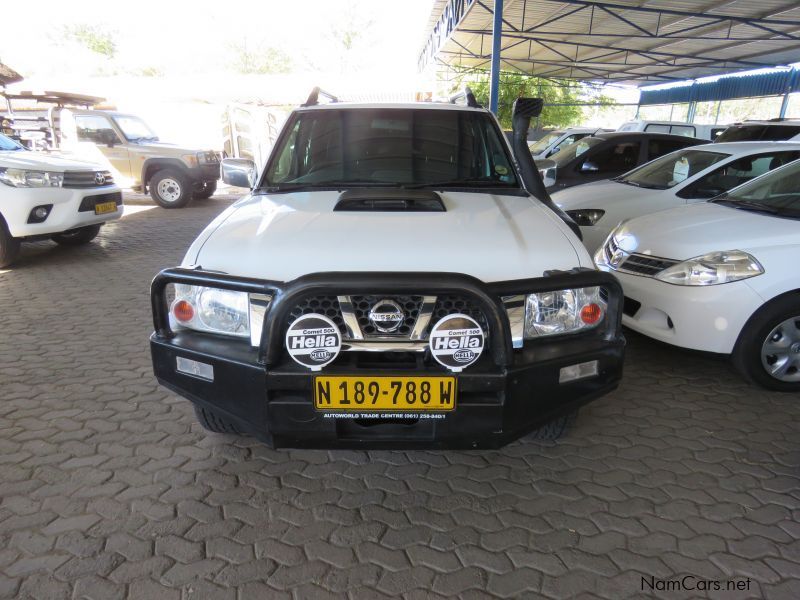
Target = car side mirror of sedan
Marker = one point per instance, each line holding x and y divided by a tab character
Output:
589	167
239	172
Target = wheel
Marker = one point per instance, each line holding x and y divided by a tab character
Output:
208	189
170	189
211	421
76	237
555	429
768	349
9	246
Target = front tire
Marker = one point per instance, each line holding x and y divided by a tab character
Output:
555	429
9	246
170	189
768	350
213	422
76	237
208	190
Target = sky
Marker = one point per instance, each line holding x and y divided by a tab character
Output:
205	37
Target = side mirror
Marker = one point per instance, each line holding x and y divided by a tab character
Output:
239	172
589	167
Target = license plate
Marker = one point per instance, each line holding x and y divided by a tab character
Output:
102	208
385	393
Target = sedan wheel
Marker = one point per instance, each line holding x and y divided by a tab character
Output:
780	352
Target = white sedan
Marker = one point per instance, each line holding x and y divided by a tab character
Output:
721	276
683	177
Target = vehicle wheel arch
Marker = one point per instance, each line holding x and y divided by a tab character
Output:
767	305
152	165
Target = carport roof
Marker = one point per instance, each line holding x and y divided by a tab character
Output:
639	42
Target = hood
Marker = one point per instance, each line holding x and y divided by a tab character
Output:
165	149
688	231
600	194
22	159
284	236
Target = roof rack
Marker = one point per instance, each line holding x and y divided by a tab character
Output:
467	95
313	97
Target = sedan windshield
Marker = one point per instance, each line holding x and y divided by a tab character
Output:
390	147
776	193
134	128
672	169
9	145
568	153
544	143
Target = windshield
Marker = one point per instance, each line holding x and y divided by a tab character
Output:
777	192
544	143
135	129
568	153
9	145
672	169
396	147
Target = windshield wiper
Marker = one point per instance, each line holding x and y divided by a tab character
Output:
746	205
458	183
646	186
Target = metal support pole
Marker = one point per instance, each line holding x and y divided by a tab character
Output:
691	112
497	34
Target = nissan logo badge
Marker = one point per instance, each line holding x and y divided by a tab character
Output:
313	341
386	316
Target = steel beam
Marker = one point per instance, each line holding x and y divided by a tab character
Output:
497	49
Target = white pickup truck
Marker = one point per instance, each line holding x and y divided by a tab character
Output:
390	281
47	197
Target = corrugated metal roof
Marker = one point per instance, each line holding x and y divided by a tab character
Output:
625	41
726	88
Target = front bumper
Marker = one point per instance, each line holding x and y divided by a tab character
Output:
70	208
204	173
506	394
708	318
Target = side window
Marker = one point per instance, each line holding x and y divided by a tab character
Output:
618	158
736	173
686	130
656	148
655	128
96	129
779	132
284	161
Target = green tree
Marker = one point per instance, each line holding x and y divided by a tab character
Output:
565	100
94	38
259	60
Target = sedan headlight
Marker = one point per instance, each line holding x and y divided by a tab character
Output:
712	269
563	311
30	179
586	217
211	310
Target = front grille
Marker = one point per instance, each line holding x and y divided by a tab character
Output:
447	305
646	265
86	179
321	305
410	305
89	202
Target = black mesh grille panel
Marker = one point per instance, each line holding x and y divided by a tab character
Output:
450	304
646	265
321	305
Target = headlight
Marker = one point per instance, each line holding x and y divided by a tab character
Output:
586	217
211	310
207	158
30	179
563	311
712	269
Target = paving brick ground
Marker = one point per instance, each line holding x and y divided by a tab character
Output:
109	489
